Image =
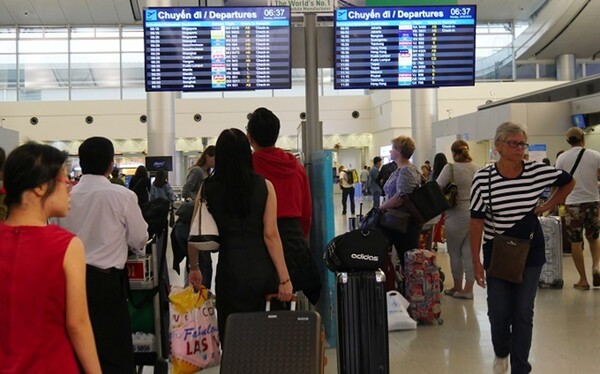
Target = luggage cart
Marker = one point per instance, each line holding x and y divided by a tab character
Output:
147	324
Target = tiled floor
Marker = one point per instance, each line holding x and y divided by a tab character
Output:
566	331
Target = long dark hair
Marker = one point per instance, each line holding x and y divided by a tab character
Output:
31	165
439	161
161	178
234	171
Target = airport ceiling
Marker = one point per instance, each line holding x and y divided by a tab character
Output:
564	33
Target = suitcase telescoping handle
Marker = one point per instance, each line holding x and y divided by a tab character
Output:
272	296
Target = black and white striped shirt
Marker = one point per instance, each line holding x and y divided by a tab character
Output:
511	198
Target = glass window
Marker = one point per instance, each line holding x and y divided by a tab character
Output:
83	32
8	46
42	70
486	52
547	71
56	32
579	71
42	46
8	71
90	70
31	33
527	71
107	32
44	94
132	45
8	95
592	69
493	40
132	32
8	33
94	45
133	69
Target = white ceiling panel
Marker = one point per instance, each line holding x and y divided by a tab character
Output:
49	12
76	12
103	12
575	38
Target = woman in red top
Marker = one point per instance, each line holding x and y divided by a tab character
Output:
44	321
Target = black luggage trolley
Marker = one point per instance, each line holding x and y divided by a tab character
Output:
148	323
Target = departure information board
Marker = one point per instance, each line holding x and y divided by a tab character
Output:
217	49
404	47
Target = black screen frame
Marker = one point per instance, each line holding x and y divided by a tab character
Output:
336	62
288	86
151	160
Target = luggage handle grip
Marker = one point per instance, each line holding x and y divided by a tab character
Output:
272	296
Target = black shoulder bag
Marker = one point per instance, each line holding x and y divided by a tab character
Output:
509	254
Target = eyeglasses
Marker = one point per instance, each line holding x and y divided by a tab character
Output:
515	144
65	181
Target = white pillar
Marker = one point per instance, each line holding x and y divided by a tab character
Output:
565	67
423	105
161	114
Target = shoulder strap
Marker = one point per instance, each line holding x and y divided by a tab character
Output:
490	205
579	156
452	173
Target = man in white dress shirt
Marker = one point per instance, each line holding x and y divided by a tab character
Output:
108	219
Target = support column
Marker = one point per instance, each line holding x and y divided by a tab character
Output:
565	67
161	115
314	129
424	111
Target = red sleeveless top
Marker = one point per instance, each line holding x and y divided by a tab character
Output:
33	337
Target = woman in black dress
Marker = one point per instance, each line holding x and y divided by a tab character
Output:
244	206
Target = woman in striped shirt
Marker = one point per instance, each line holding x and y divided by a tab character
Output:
504	200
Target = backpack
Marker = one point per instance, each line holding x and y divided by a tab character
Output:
349	177
364	249
355	176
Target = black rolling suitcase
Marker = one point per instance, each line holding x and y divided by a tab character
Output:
273	342
362	323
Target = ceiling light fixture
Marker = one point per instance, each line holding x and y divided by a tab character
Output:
135	10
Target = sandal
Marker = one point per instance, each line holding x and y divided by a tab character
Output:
581	287
449	292
596	279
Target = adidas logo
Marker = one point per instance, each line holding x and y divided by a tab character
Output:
362	256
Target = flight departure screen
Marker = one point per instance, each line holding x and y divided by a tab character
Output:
404	47
217	49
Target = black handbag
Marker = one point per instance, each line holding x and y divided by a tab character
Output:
372	219
426	202
356	250
395	220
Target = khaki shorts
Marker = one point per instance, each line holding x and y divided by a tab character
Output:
580	217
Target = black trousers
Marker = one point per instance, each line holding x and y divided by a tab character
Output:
348	193
107	304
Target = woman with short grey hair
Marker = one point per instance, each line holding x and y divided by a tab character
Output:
504	201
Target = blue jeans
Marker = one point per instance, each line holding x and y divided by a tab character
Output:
376	198
510	310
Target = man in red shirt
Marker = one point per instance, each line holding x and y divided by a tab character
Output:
294	209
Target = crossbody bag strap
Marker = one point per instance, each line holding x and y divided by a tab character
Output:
452	173
579	156
490	204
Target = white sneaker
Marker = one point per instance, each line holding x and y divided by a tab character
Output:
500	365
